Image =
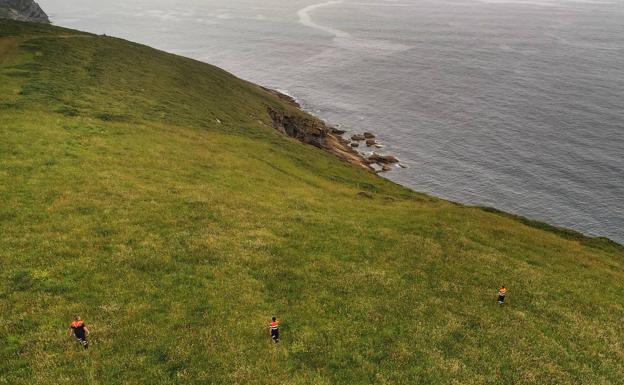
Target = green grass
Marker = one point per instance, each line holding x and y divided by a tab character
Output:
176	237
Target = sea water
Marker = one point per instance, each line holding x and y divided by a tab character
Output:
513	104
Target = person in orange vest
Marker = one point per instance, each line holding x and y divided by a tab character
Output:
274	328
502	292
80	331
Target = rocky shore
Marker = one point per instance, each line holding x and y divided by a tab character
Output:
313	131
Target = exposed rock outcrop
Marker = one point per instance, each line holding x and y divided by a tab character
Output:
383	159
315	132
22	10
310	130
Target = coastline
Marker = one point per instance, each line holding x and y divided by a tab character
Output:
163	193
481	176
311	130
314	131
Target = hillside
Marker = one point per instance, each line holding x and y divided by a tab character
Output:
152	195
24	10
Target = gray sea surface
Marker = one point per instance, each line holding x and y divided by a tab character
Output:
513	104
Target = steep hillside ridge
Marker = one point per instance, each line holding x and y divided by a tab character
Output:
23	10
156	197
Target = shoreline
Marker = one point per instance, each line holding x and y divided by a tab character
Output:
316	132
593	221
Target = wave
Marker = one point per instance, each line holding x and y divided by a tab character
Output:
344	40
305	18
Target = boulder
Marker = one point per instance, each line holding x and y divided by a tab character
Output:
368	135
370	142
383	159
358	137
354	145
376	167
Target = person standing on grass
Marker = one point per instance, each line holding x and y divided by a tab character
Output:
274	328
502	292
80	331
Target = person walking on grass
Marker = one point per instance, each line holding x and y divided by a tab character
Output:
274	328
80	331
502	292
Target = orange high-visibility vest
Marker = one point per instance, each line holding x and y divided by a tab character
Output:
502	291
274	325
77	324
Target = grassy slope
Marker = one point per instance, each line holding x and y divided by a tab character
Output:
176	237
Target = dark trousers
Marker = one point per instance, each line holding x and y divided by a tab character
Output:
82	339
501	298
275	334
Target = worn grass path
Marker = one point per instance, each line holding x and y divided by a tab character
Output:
176	237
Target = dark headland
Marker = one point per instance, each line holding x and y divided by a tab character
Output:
22	10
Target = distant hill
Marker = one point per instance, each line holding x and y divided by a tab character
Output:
23	10
159	198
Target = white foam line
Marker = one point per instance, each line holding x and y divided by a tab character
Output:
305	18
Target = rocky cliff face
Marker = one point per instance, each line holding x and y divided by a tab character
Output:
313	131
23	10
